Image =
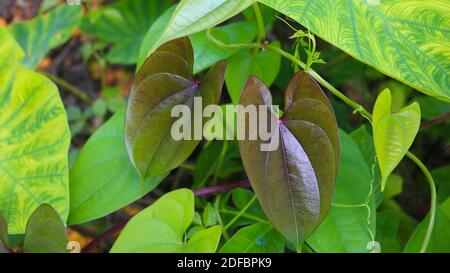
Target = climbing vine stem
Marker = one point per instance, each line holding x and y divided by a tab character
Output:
357	109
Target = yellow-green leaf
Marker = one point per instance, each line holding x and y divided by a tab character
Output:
161	227
34	140
393	132
406	40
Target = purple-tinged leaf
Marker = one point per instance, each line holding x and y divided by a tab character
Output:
164	81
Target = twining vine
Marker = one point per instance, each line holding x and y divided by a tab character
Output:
262	44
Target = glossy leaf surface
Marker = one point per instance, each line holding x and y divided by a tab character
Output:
294	182
34	133
439	242
103	179
257	238
348	226
45	32
45	232
160	228
192	16
393	133
406	40
164	81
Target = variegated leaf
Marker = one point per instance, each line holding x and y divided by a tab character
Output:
34	140
406	40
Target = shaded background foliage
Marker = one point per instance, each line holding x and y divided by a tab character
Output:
96	66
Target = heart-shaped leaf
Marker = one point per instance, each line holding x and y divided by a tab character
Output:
160	228
295	181
265	64
164	81
45	232
393	133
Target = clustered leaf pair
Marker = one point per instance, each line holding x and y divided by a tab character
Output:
294	183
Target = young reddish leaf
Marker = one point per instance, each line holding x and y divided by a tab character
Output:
45	232
283	179
164	81
310	117
294	182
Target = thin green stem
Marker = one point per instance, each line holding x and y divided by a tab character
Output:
220	162
188	166
219	218
432	212
72	89
221	44
259	20
240	213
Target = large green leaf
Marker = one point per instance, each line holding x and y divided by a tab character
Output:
164	81
206	53
45	232
34	140
439	241
124	24
45	32
264	64
406	40
393	133
192	16
103	179
257	238
295	181
160	228
347	227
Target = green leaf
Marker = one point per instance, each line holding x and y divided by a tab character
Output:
124	24
406	41
348	226
99	108
393	133
103	179
206	53
364	139
45	32
441	176
295	181
166	80
431	107
45	232
394	186
192	16
387	229
257	238
4	241
264	64
439	241
160	228
34	133
209	216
